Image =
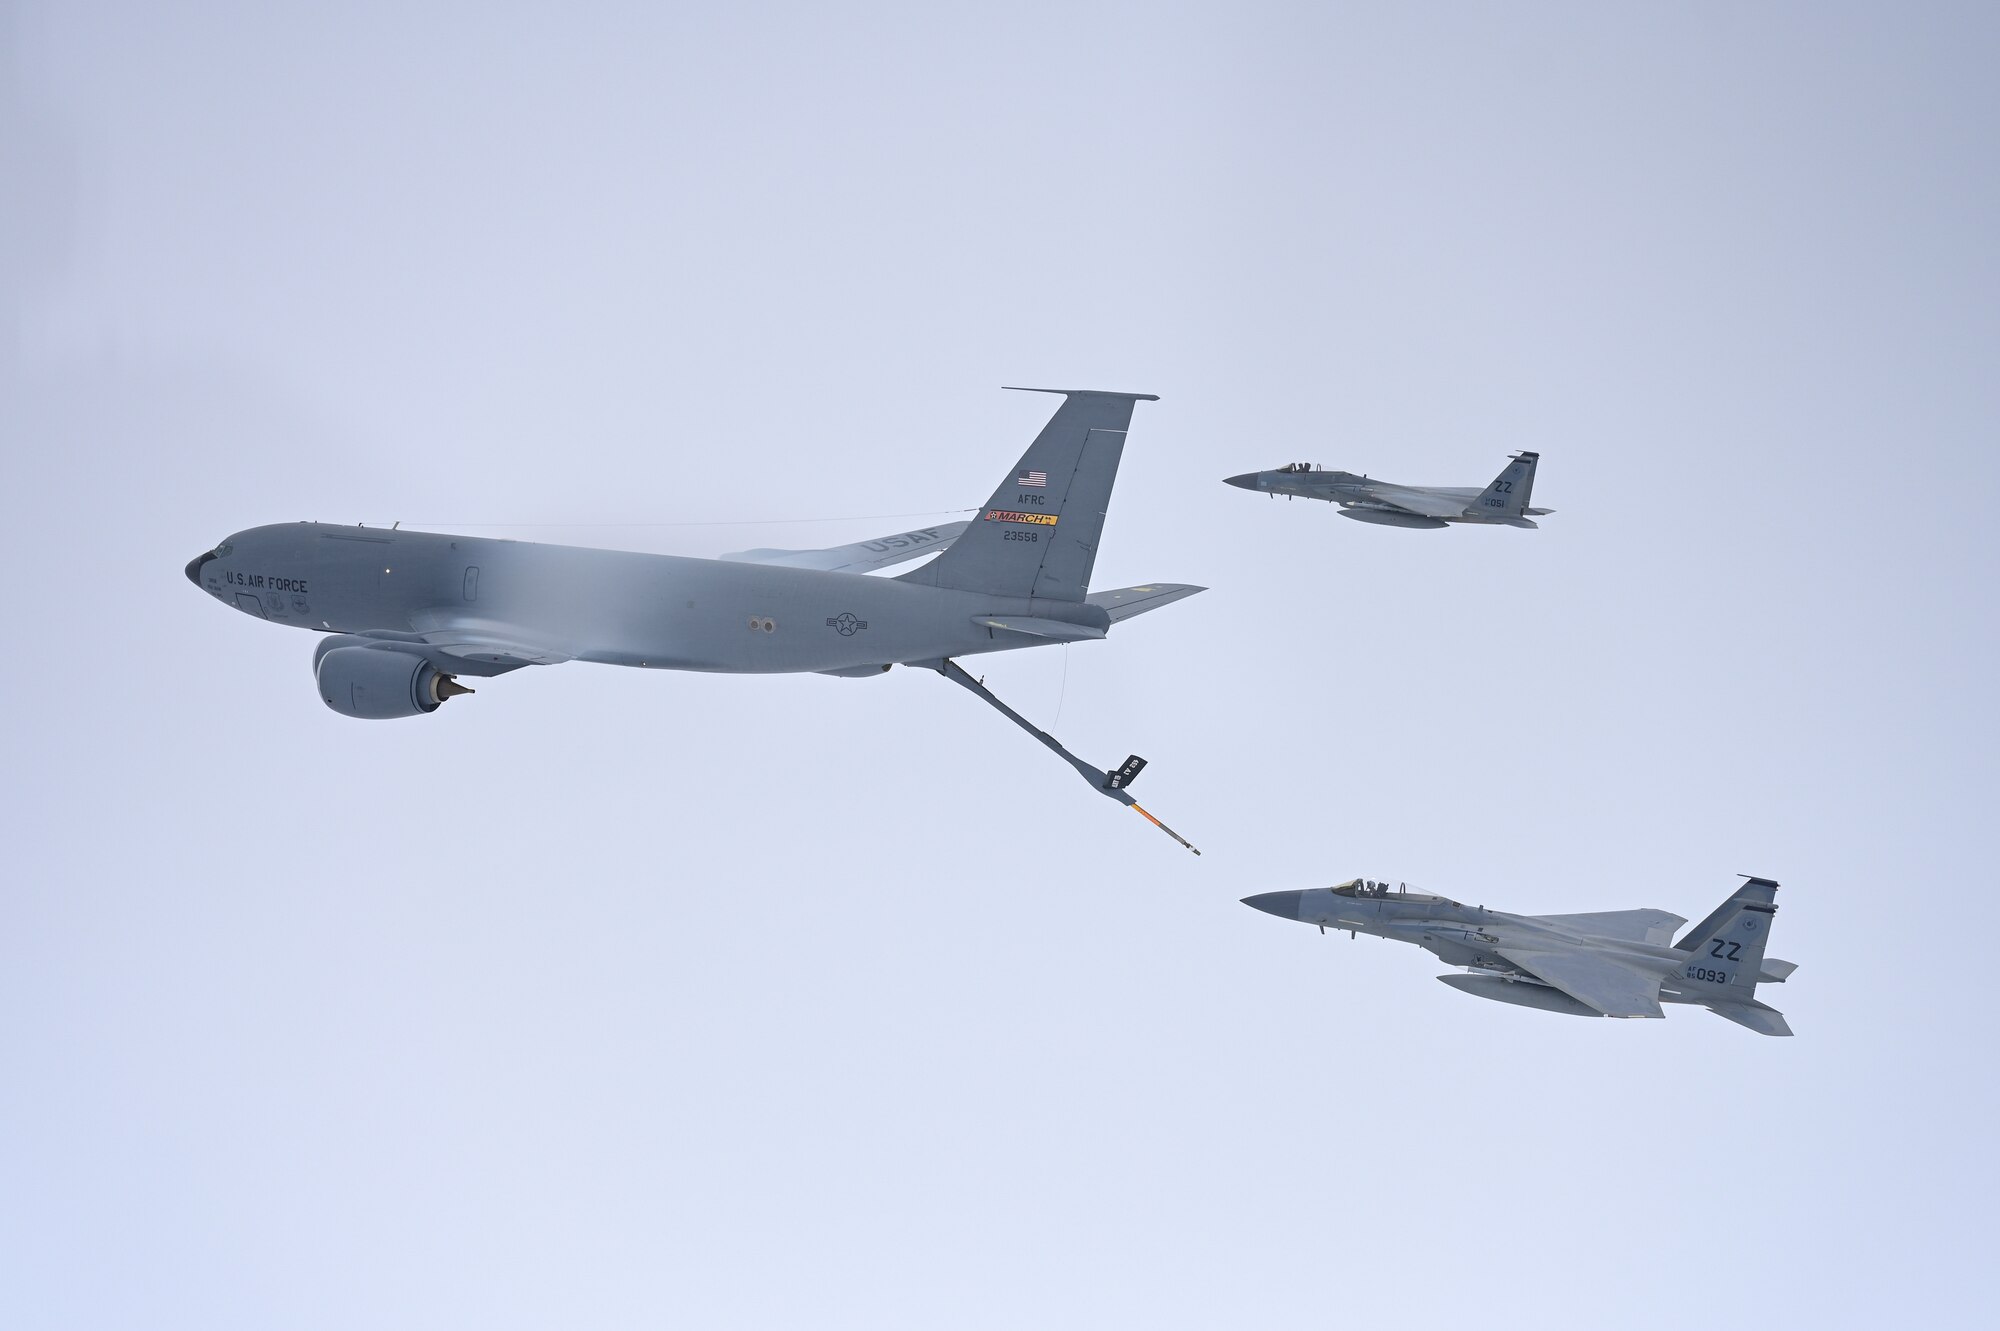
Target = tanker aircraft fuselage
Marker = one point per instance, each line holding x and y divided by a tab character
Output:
493	605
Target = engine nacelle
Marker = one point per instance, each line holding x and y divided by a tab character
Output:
377	683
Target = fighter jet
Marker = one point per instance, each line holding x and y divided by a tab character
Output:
1620	963
406	613
1505	502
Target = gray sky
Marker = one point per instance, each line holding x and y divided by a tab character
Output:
617	999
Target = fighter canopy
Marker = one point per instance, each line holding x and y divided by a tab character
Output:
1361	887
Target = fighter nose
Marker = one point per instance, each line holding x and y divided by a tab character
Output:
194	566
1284	905
1247	481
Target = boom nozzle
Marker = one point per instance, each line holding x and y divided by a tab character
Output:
1140	810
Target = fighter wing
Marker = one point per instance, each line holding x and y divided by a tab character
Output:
1421	502
862	556
1642	926
1613	987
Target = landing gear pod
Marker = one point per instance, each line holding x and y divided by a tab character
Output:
380	683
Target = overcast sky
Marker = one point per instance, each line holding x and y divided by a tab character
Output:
615	998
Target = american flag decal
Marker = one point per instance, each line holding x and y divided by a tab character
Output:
1035	480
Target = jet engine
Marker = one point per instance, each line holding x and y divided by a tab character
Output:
376	683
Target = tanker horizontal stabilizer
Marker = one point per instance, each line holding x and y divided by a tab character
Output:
1127	602
1050	630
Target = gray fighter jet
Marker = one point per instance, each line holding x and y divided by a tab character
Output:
1621	963
409	612
1505	502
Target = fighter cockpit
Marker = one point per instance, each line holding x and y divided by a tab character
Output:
1292	468
1362	887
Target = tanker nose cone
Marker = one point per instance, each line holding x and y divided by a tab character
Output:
194	566
1247	481
1284	905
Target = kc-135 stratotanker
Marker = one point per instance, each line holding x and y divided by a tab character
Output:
407	612
1621	963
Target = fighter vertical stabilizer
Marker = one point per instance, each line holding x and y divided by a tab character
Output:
1507	496
1724	958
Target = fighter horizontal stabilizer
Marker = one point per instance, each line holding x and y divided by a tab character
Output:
1052	630
1759	1018
1595	980
861	556
1126	602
